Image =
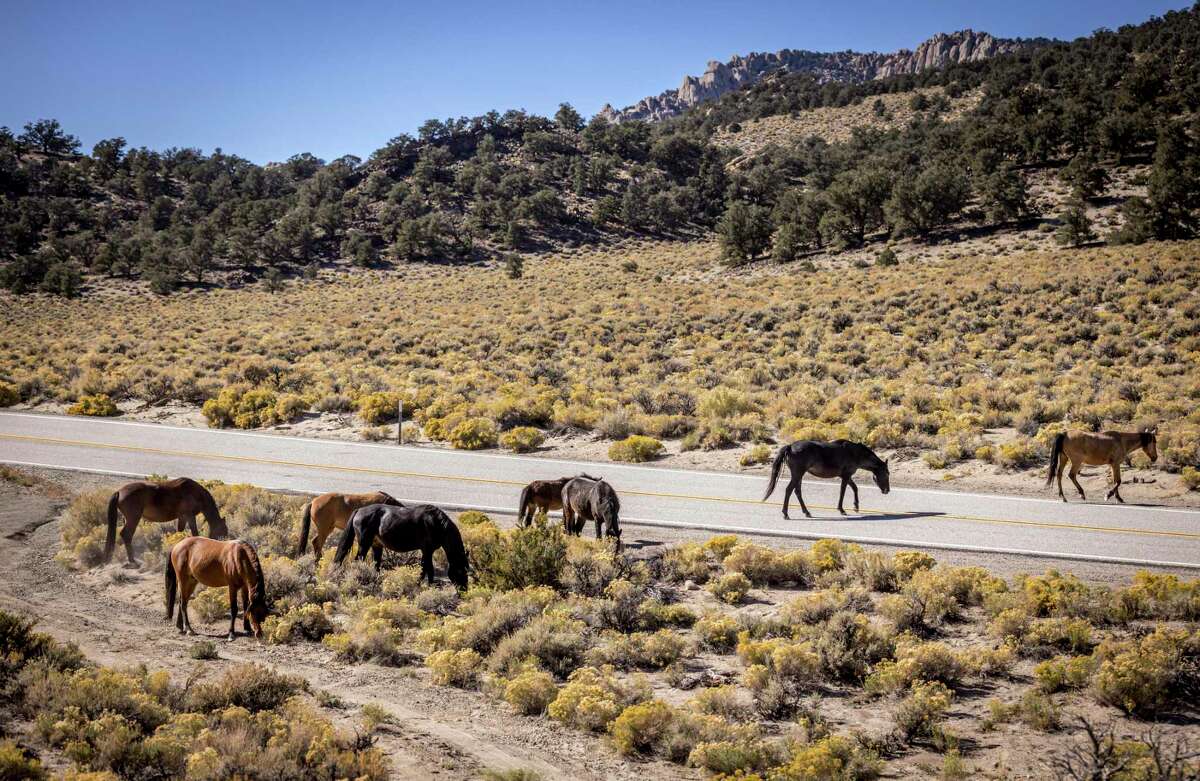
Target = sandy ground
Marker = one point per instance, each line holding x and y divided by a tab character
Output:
1149	485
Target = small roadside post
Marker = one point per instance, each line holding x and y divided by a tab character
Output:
400	425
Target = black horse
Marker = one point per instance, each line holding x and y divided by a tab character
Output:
585	499
421	527
840	458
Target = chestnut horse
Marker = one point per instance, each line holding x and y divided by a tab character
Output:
171	500
213	563
1109	447
332	511
544	495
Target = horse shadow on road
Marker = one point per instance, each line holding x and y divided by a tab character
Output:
882	516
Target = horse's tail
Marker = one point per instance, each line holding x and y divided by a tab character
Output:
305	523
1055	454
780	457
110	539
171	583
526	495
346	542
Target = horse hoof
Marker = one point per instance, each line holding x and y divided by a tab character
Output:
808	515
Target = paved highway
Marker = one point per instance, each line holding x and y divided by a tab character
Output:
651	496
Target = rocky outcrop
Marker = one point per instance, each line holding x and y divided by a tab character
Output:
722	77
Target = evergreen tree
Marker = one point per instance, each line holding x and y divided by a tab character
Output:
744	232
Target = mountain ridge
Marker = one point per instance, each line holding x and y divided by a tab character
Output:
847	66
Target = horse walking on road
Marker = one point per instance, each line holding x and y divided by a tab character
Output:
171	500
420	527
588	499
332	511
544	495
840	458
234	564
1109	447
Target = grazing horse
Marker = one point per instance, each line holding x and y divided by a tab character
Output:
171	500
420	527
587	499
840	458
1109	447
234	564
544	495
332	511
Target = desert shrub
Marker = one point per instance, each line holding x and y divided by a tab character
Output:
437	601
97	406
1019	453
402	581
908	562
828	555
530	692
555	642
917	662
635	449
724	701
688	561
832	758
848	645
522	439
759	454
306	622
16	765
473	434
378	408
717	632
1055	594
764	566
919	715
873	570
209	605
639	728
653	614
593	697
490	617
621	607
248	685
83	528
1190	475
640	650
781	674
590	567
730	588
9	395
374	640
1148	675
526	556
1063	673
1158	595
242	406
819	606
1046	636
454	668
1010	623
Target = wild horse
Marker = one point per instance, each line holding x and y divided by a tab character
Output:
234	564
421	527
544	495
587	499
1109	447
840	458
332	511
172	500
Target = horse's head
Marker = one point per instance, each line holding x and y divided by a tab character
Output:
390	500
217	528
1150	443
257	613
881	477
457	572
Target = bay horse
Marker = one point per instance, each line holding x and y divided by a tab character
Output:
332	511
1109	447
233	564
544	495
840	458
171	500
588	499
419	527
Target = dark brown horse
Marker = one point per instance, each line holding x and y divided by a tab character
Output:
420	527
587	499
171	500
544	495
1109	447
840	458
332	511
234	564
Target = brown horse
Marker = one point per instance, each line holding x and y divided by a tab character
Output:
544	495
172	500
1109	447
332	511
233	564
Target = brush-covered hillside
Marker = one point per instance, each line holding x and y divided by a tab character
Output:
499	186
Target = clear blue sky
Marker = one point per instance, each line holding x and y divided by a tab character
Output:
268	79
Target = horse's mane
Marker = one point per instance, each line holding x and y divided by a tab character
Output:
453	543
1146	436
607	500
259	595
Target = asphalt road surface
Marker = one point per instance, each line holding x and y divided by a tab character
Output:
650	496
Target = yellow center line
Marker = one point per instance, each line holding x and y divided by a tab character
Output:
495	481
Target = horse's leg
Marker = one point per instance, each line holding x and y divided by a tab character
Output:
427	564
599	523
127	531
233	595
377	554
245	609
568	520
854	488
1074	475
842	497
185	595
188	520
787	494
1062	467
800	496
1116	489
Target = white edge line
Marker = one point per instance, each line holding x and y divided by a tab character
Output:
537	459
756	531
